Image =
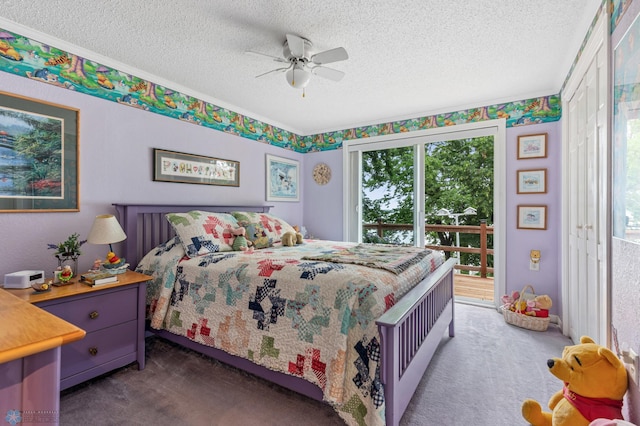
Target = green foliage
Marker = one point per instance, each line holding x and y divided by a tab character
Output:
68	248
42	144
458	174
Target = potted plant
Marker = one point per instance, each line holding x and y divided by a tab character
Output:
68	251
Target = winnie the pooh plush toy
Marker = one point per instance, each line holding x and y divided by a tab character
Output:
539	306
595	382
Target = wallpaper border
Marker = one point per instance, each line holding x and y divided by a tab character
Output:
47	64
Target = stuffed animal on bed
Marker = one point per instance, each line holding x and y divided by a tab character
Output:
292	238
595	382
240	242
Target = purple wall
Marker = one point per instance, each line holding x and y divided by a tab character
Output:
323	203
116	145
323	211
521	241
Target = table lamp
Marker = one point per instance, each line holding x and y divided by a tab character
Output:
107	230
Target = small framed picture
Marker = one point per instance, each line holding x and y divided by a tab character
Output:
532	146
532	217
283	179
171	166
532	181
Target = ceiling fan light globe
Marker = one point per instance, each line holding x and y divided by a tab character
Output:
298	76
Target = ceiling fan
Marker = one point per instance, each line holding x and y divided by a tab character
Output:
301	64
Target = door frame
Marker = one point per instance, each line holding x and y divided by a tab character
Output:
352	182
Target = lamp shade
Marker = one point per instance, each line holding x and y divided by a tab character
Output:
298	76
106	230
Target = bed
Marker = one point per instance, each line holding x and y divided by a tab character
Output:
367	368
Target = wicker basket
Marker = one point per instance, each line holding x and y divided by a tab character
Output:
525	321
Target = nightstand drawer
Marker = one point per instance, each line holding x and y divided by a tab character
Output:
98	348
99	310
112	316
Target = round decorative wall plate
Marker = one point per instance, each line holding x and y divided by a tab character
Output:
322	173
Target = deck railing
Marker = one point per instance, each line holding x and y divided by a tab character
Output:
483	230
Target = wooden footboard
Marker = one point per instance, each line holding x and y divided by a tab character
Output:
410	334
410	331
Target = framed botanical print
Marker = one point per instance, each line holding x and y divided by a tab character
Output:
283	179
38	156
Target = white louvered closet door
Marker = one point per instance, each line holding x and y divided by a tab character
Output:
585	307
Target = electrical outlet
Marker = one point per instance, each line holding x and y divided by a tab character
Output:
534	266
630	359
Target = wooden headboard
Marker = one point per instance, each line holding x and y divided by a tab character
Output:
146	225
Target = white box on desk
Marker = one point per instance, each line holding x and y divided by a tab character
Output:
23	279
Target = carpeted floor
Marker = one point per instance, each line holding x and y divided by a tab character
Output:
480	377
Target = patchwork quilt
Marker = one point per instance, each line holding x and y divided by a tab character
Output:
297	310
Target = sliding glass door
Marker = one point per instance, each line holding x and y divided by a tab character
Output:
388	201
396	184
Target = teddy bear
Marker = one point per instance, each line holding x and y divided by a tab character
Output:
240	242
595	382
289	239
539	306
292	238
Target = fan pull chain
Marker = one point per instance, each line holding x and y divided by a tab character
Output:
303	92
293	76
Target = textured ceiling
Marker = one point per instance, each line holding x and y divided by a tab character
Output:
406	58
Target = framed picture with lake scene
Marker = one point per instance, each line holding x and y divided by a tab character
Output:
39	160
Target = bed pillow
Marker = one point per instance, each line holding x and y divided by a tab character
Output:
203	232
272	226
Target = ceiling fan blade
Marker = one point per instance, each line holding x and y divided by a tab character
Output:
329	73
296	45
273	71
328	56
273	58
